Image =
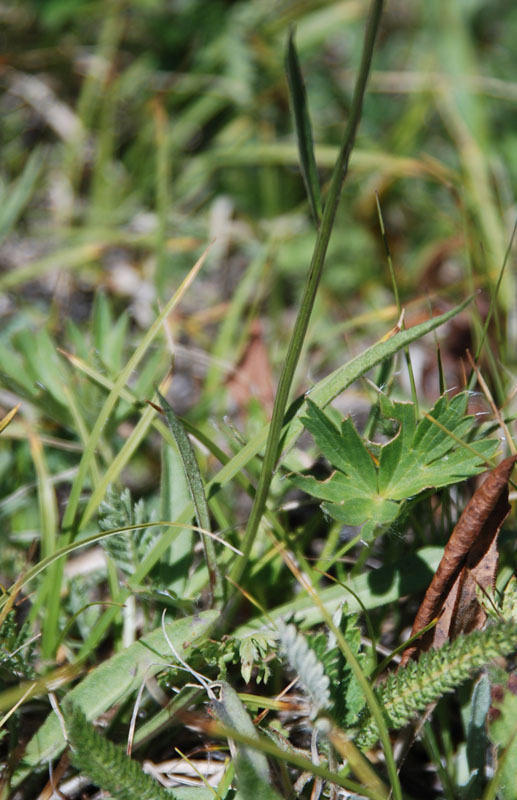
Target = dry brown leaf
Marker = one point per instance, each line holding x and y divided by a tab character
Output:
469	560
252	375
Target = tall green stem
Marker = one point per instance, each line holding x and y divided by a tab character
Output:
311	287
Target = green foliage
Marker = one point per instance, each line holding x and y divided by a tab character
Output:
106	764
116	679
503	733
231	712
303	130
253	650
418	457
16	651
304	663
412	688
251	784
134	132
197	491
347	697
128	548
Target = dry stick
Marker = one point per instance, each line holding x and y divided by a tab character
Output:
489	496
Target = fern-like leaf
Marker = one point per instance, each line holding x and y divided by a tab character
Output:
128	549
16	651
107	765
347	697
411	689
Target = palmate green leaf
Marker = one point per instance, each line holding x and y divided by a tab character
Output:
420	456
424	456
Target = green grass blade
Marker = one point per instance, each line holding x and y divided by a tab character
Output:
174	497
309	296
113	396
197	491
302	124
18	196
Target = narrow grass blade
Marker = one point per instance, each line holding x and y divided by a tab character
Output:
304	313
302	123
7	418
48	520
113	396
122	458
18	196
174	497
197	491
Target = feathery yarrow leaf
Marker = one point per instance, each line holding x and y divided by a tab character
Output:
129	548
407	692
106	764
304	662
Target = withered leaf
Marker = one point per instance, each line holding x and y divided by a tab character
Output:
252	376
469	560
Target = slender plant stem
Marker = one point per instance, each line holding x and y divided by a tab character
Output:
311	287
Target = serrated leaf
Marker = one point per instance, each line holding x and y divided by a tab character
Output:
419	456
425	456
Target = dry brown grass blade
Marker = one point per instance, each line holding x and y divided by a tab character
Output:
469	559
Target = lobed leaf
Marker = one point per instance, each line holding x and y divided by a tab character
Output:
421	455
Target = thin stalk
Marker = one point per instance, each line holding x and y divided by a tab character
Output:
384	235
309	295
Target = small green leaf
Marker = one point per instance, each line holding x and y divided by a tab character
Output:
251	784
174	497
16	197
302	125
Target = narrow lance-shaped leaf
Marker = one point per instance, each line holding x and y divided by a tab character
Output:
231	712
197	491
302	125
